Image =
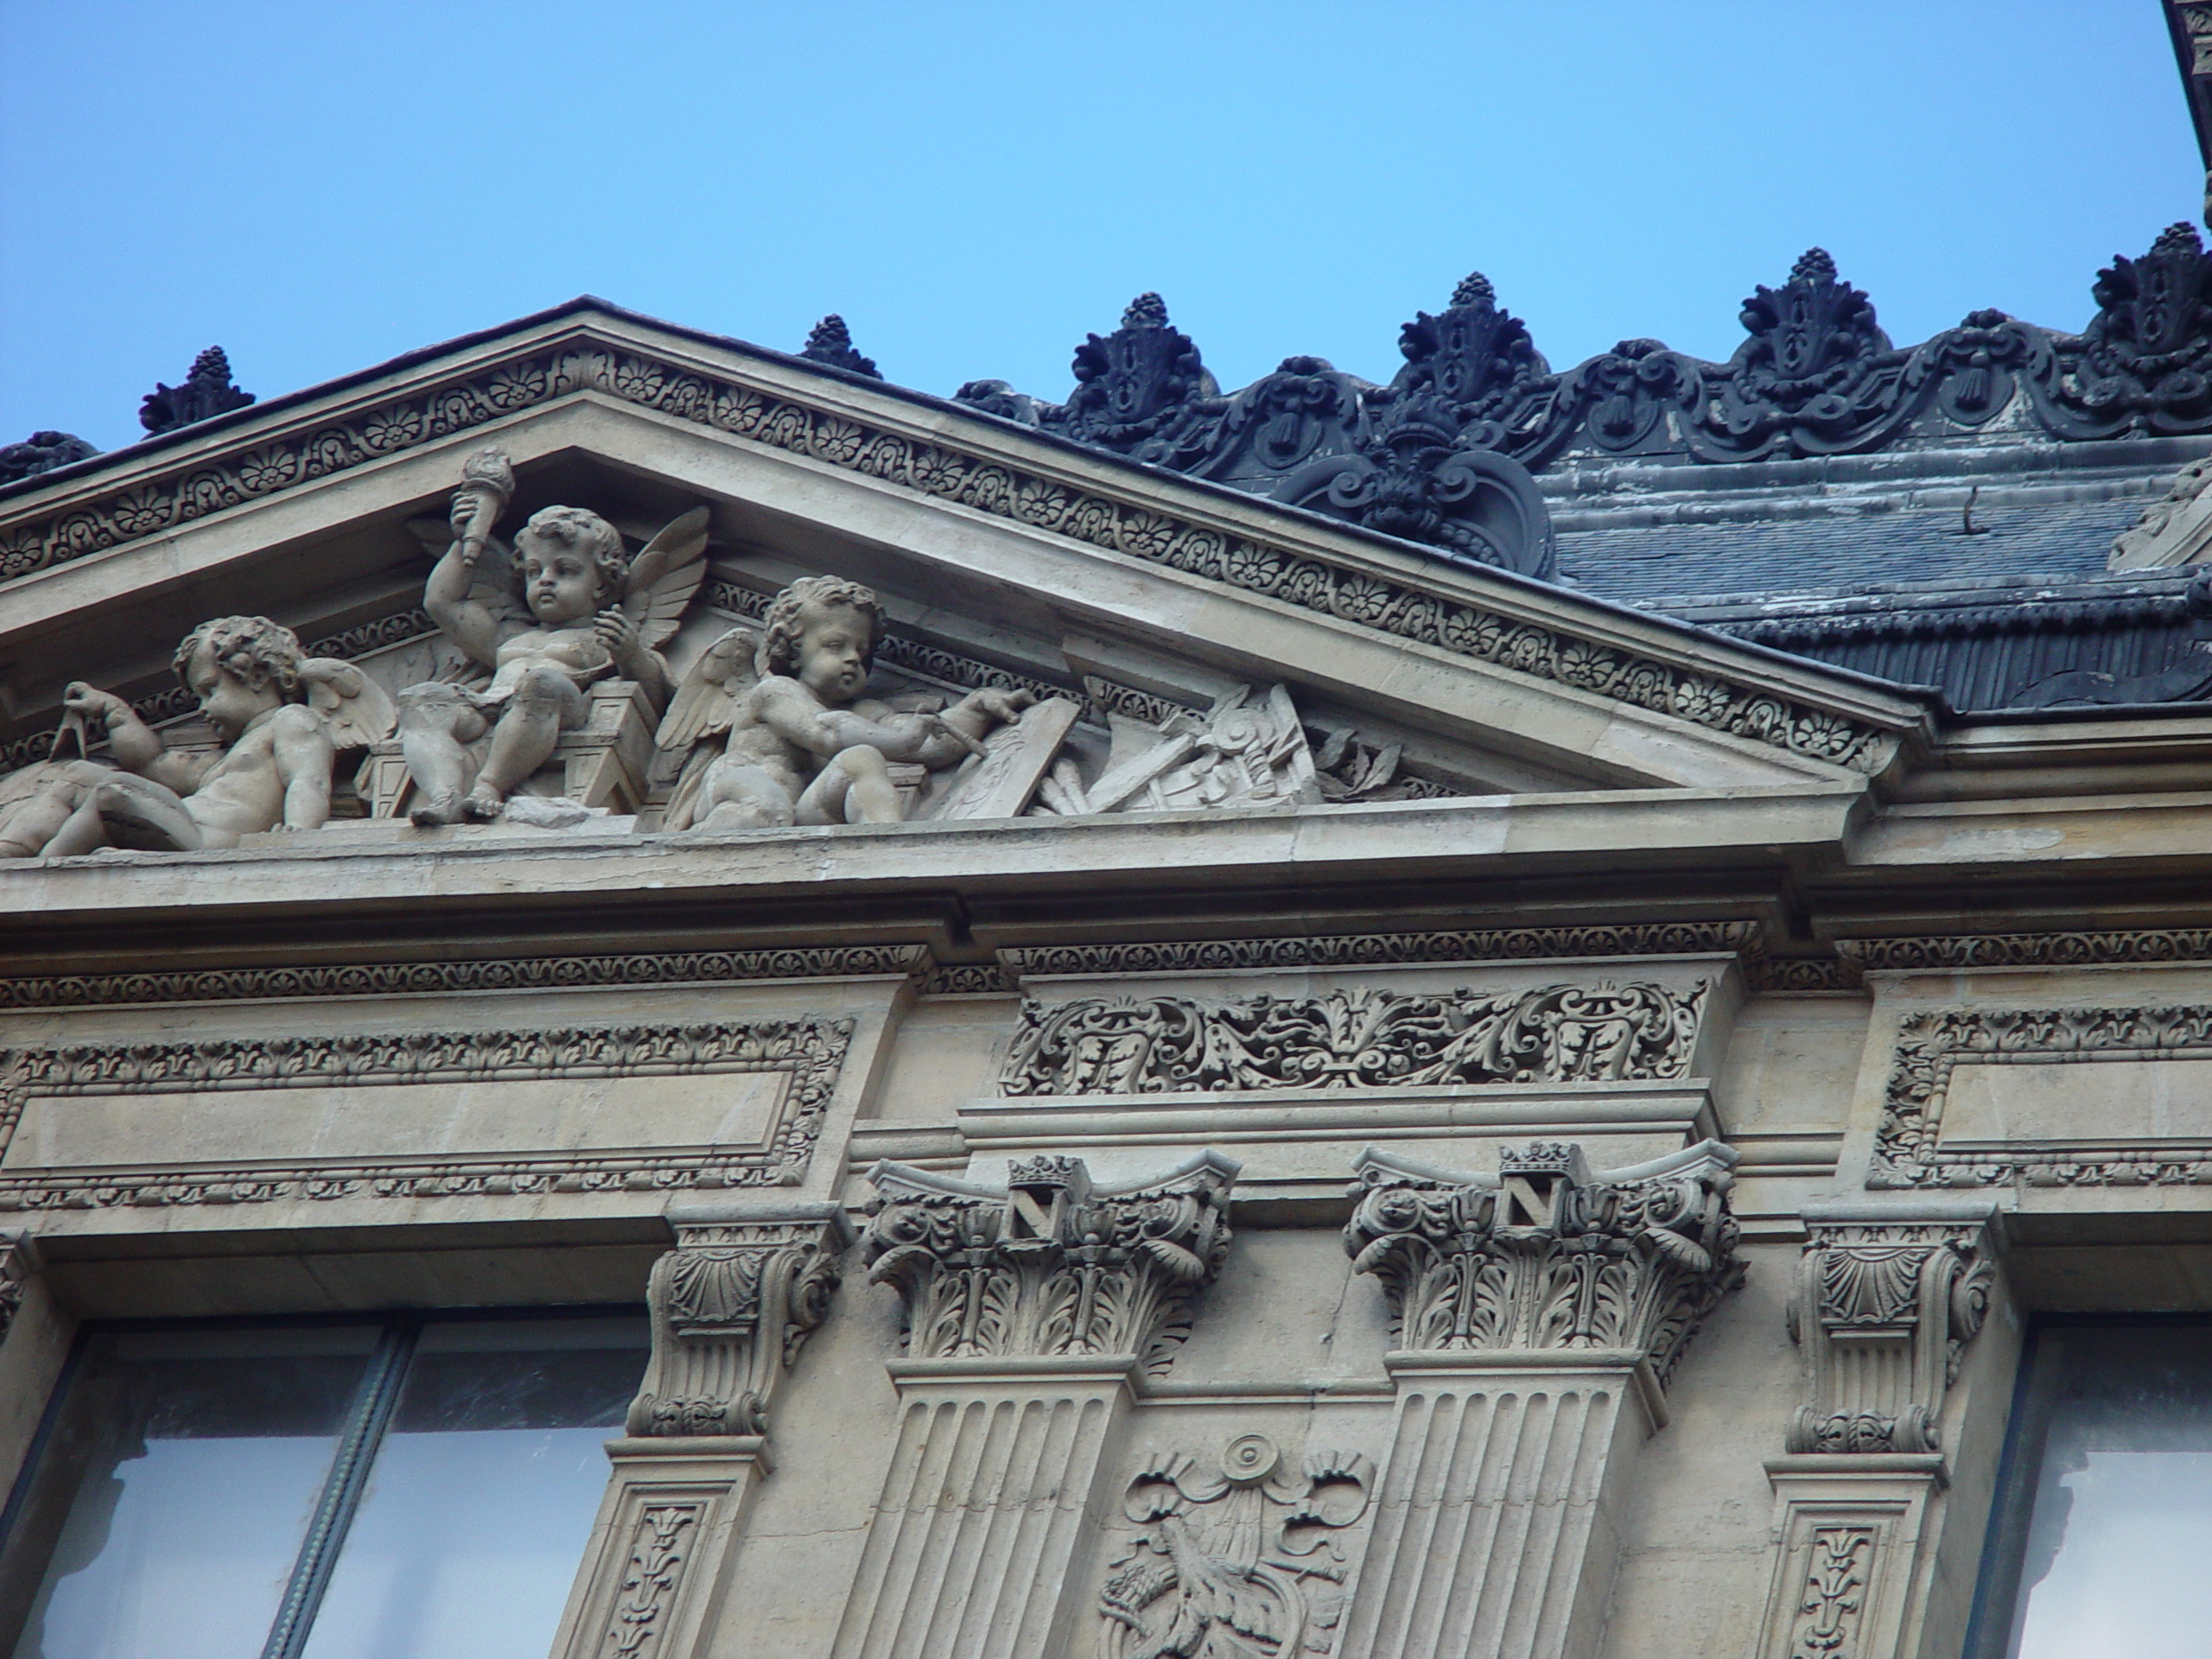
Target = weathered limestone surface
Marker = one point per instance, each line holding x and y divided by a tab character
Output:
986	1179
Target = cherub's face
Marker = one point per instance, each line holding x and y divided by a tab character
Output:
227	702
561	584
832	654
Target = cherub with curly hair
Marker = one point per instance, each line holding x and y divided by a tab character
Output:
592	612
282	717
804	747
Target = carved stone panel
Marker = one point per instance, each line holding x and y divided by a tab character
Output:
1983	1072
1354	1039
1239	1553
248	1121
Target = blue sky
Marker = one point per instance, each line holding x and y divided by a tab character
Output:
975	186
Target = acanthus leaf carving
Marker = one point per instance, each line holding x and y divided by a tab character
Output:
731	1306
1240	1556
1048	1265
1547	1256
1355	1040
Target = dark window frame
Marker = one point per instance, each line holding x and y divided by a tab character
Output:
368	1418
2019	1467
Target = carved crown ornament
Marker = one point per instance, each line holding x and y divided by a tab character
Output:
1882	1313
809	1053
1355	1040
1048	1265
276	454
1546	1256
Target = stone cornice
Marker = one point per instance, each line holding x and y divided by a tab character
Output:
1384	950
1482	617
1937	952
450	978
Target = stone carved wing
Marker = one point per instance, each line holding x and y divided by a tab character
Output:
665	574
356	711
700	711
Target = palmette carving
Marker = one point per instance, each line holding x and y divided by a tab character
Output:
731	1305
1355	1040
1834	1602
1239	1556
660	1552
1883	1312
1047	1266
1546	1256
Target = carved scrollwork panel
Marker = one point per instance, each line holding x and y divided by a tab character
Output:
1355	1040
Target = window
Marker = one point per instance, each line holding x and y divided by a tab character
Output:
420	1488
2103	1525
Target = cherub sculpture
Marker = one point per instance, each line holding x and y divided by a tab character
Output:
804	747
282	716
568	607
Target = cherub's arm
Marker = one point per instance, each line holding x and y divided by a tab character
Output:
467	622
980	710
134	743
302	750
796	715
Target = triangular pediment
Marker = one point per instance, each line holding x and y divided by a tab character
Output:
1001	557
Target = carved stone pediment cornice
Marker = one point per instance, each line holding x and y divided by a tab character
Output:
951	456
1547	1257
1047	1266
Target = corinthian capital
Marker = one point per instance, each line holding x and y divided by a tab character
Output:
1048	1264
1883	1311
730	1305
1546	1256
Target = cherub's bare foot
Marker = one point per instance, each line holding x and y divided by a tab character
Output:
481	805
435	809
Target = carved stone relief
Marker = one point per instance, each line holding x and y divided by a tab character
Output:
1354	1039
1547	1255
280	717
1883	1312
808	1051
730	1305
1930	1047
1047	1265
934	468
1372	950
1239	1555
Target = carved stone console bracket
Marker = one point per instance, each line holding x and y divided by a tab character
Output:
1030	1309
19	1259
1888	1297
1540	1312
731	1305
1883	1311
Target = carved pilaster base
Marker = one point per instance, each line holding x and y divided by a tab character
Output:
1496	1522
1848	1561
658	1562
994	1481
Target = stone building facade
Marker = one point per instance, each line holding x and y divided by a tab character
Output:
1474	1017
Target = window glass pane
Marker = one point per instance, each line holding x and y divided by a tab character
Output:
2120	1527
482	1498
188	1465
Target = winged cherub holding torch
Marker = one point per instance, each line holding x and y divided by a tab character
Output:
568	606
